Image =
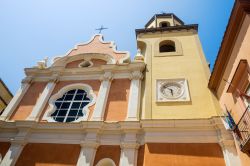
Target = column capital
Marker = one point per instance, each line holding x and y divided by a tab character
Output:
136	75
54	79
129	145
18	142
88	144
226	143
107	76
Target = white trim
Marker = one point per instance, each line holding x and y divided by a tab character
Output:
105	161
134	96
102	97
15	101
52	107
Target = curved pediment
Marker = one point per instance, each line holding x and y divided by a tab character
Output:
96	48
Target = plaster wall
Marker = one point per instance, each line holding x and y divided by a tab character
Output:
117	103
28	101
176	154
49	154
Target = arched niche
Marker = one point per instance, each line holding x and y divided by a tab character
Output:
142	46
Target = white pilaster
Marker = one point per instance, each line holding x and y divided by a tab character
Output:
12	155
16	99
129	153
43	99
129	149
87	154
229	152
134	96
102	97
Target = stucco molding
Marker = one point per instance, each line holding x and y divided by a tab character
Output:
46	74
61	92
136	75
113	133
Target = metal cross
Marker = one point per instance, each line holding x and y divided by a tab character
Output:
100	29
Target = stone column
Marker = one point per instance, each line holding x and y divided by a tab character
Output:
13	154
134	96
16	99
102	97
87	154
43	99
229	152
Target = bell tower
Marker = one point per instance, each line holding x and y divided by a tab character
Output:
177	73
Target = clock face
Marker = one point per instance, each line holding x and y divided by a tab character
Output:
171	90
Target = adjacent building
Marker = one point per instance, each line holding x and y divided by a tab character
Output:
230	79
5	96
96	106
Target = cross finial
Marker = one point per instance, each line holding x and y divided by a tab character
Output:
100	29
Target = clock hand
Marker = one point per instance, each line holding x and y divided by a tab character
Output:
171	91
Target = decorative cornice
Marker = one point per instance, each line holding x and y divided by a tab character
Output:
167	29
113	133
46	74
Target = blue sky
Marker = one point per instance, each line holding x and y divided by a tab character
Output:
31	30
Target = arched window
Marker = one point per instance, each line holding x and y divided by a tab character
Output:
70	104
167	46
164	24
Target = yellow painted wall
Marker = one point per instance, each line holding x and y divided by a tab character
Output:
191	65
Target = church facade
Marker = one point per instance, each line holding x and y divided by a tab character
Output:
97	106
